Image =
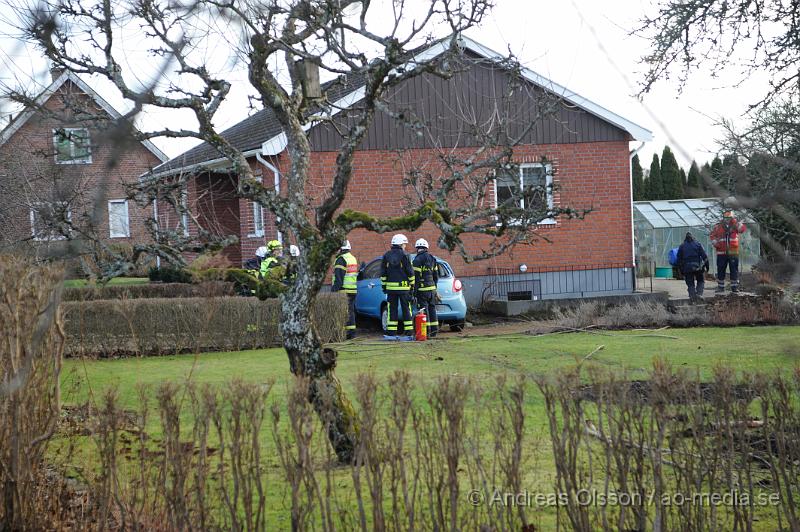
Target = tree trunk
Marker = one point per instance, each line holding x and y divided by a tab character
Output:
309	359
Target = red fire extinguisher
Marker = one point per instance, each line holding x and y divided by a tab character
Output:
421	326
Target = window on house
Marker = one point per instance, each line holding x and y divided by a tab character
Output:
258	213
50	221
118	225
258	219
530	186
73	145
184	223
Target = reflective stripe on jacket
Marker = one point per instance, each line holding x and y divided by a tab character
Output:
426	272
345	274
397	274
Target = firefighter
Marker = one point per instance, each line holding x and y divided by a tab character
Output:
275	249
725	239
290	277
253	266
397	280
345	275
426	273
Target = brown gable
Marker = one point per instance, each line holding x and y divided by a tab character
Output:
480	91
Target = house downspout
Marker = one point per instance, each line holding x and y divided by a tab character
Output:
633	232
277	181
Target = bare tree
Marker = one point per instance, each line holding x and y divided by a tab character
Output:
765	170
281	43
754	35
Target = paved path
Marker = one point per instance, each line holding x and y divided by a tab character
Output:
677	288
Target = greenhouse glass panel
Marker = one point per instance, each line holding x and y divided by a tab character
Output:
660	226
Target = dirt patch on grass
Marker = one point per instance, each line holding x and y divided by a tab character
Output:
642	391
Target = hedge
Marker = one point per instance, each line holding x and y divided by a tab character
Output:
136	327
152	290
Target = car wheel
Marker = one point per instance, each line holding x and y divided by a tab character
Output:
457	327
384	318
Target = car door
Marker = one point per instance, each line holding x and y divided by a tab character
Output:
370	296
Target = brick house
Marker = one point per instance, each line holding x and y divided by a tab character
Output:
68	158
587	149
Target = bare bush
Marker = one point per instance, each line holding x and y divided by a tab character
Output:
139	327
770	309
144	291
30	364
681	453
636	314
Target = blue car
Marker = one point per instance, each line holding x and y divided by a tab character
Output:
371	300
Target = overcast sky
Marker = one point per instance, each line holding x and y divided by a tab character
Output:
581	44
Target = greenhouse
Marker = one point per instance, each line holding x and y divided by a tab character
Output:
662	225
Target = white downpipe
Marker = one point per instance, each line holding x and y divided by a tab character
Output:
630	178
277	181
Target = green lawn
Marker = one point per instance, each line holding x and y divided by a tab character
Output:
745	348
748	349
74	283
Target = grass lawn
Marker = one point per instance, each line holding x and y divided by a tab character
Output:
74	283
747	349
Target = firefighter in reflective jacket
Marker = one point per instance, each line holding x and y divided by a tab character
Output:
275	249
345	275
426	273
397	278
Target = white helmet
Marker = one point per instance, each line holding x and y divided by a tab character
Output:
399	239
346	245
421	243
294	251
261	252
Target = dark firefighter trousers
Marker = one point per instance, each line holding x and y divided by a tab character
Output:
427	302
350	326
400	317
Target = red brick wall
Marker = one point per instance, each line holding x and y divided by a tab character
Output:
587	175
249	241
223	213
31	148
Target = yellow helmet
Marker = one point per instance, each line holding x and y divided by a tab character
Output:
274	244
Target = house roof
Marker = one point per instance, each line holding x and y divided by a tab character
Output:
261	132
65	76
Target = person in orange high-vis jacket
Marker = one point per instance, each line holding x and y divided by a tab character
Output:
725	239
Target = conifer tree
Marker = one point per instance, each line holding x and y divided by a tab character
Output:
639	192
671	184
654	188
694	182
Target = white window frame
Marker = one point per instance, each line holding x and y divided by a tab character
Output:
184	216
127	232
258	217
53	236
74	159
258	220
548	189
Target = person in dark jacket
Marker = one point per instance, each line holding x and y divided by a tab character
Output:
426	273
693	263
397	280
